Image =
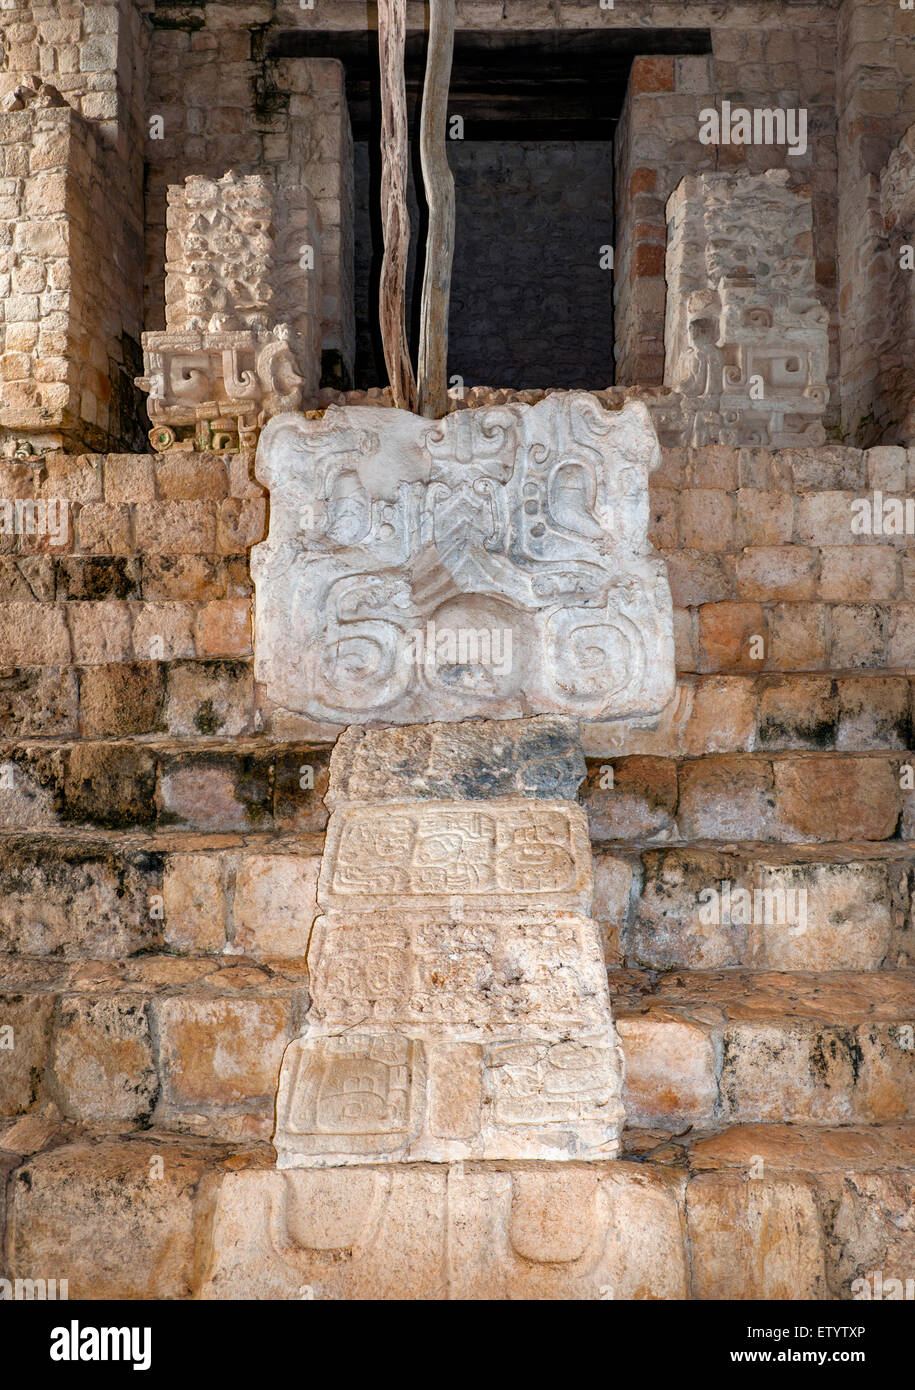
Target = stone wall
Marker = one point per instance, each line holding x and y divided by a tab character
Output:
644	177
67	365
159	854
91	51
530	303
215	99
876	105
81	175
764	62
897	204
162	830
224	105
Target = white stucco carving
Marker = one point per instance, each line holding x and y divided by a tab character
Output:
492	563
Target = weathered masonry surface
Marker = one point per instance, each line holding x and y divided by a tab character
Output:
525	1003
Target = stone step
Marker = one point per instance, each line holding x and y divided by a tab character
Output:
709	1048
790	798
193	1043
753	1212
857	711
780	1148
75	893
206	697
244	783
792	907
111	895
125	699
701	1048
251	782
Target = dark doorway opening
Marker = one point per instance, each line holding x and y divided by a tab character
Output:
532	297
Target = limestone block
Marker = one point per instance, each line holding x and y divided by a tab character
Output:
727	1213
73	899
194	898
385	1096
493	563
813	916
871	1236
104	1065
107	1218
492	970
273	907
670	1072
569	1232
25	1022
440	1036
240	1069
479	759
503	855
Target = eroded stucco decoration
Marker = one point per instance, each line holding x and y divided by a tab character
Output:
243	313
493	563
745	335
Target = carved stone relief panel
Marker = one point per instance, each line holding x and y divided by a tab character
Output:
243	312
459	999
431	1095
459	993
494	562
488	969
529	855
745	334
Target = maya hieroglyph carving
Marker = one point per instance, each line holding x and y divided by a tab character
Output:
459	995
459	998
494	562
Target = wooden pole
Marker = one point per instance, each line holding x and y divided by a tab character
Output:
392	25
439	185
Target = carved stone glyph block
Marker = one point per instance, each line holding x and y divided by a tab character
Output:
383	1096
492	970
745	334
530	855
494	562
459	993
243	312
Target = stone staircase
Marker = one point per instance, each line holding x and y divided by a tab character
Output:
159	850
